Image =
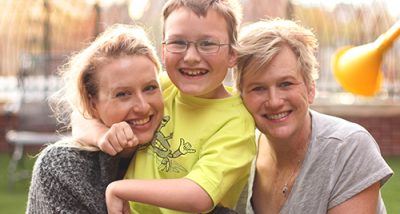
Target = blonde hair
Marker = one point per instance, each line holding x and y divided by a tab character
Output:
79	74
261	41
229	9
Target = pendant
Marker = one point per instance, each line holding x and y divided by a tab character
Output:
285	189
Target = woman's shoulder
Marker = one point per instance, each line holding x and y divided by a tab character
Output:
328	126
61	157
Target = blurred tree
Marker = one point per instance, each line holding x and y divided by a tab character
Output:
25	29
260	9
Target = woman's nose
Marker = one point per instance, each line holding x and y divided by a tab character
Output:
140	105
274	98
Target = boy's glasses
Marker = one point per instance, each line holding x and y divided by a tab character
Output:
206	46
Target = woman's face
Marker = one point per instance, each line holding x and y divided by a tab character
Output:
129	91
278	97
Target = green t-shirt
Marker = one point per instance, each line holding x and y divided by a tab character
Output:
210	141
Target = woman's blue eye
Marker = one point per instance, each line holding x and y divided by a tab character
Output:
151	88
121	94
258	88
285	84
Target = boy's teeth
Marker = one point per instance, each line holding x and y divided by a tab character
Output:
277	116
194	72
140	122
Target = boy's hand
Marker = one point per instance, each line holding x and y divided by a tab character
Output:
117	138
116	205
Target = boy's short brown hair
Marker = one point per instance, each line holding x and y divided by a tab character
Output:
229	9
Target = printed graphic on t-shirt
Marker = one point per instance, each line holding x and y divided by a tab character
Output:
164	153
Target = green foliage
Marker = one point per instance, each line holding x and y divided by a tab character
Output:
13	201
391	190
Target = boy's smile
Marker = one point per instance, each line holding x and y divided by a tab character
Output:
195	73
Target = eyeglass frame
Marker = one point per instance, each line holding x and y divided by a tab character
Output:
196	45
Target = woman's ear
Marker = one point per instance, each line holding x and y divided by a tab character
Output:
311	92
93	107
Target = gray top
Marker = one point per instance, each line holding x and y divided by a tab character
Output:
342	160
70	180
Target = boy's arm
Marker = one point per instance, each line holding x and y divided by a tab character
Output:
94	133
178	194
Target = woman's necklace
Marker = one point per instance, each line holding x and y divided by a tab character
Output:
285	188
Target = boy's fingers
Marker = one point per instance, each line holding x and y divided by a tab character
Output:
126	208
132	140
106	147
122	140
115	142
110	141
124	134
118	137
115	137
109	149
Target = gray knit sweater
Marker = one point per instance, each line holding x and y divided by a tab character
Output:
70	180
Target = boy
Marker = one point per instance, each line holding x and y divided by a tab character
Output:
201	155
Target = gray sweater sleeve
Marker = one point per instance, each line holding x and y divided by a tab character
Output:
68	180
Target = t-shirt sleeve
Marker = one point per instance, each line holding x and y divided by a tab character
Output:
359	164
225	161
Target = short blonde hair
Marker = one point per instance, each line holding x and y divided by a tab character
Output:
79	74
261	41
229	9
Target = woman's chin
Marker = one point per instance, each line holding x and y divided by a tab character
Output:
144	139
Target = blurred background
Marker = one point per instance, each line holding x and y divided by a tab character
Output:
37	36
